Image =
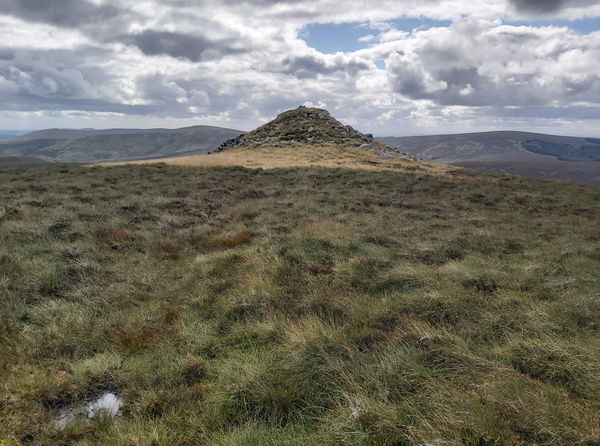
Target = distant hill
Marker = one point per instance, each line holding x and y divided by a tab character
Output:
96	146
22	161
7	134
528	154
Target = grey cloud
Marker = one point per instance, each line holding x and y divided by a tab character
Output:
567	112
40	86
65	13
6	54
85	59
538	5
311	66
547	6
157	88
463	86
26	102
180	46
42	79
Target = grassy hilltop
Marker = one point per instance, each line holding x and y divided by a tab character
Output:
357	301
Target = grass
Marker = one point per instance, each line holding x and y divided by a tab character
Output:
308	305
303	155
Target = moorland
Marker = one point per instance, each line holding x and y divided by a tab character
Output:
300	294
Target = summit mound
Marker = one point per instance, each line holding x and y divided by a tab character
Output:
304	137
304	125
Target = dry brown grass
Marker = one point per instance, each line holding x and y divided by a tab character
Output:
300	155
174	248
137	337
117	236
229	241
247	214
167	249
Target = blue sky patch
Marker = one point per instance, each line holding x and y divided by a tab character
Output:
380	63
331	38
411	24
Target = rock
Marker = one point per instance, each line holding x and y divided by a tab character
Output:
107	403
365	146
302	125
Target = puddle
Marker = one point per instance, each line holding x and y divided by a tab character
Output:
107	404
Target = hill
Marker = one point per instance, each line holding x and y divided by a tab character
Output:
93	146
303	137
313	126
521	153
19	161
8	134
291	293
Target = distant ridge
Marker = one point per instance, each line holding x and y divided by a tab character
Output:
9	134
96	146
527	154
22	161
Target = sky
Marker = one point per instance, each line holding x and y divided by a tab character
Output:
388	67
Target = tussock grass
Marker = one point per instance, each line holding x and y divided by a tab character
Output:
314	305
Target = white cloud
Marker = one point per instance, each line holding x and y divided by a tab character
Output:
190	61
319	104
479	63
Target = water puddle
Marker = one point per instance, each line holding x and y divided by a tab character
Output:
107	404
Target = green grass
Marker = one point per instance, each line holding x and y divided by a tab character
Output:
306	306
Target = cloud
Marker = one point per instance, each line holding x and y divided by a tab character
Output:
178	45
67	13
6	54
478	63
158	88
42	79
244	61
538	5
310	66
547	6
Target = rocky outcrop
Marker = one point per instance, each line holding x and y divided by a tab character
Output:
303	126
